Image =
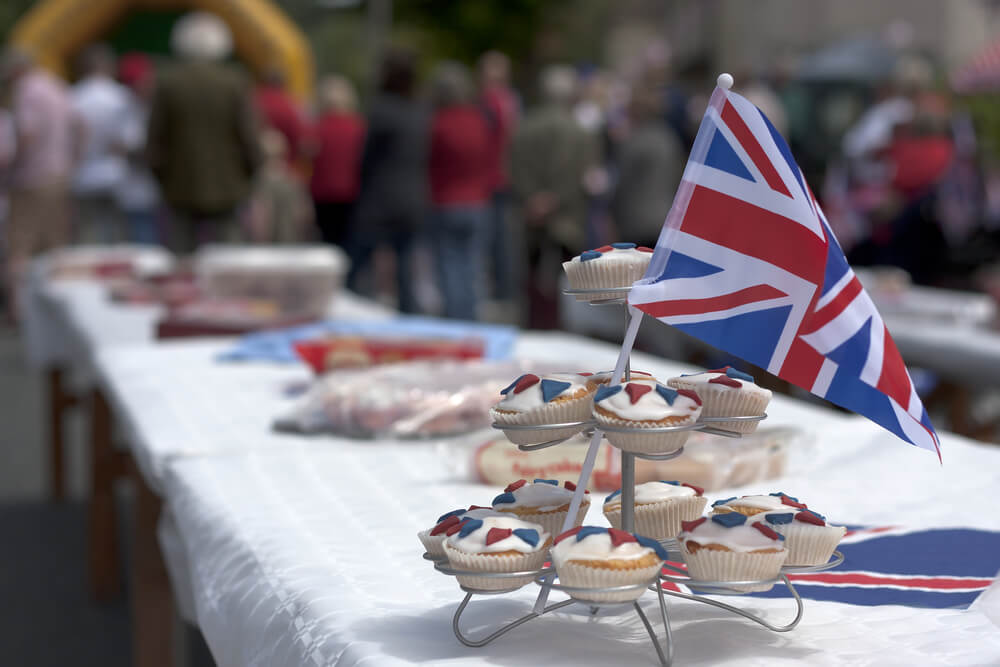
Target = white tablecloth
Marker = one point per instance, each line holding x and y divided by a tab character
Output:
303	551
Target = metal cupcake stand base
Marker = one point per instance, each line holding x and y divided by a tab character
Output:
671	574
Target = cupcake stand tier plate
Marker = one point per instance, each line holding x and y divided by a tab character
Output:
672	572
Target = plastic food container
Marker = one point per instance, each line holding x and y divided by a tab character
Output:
301	279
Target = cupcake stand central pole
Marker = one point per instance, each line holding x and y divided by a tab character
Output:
546	578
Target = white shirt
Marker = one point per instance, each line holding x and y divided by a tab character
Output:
137	190
102	104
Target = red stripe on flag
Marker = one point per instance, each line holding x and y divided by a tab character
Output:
827	313
862	579
894	381
716	303
801	365
743	227
745	136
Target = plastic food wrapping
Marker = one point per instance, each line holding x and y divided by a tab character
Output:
300	279
107	261
338	352
711	462
419	399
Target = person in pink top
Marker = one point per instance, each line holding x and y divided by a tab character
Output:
460	188
502	107
47	144
336	143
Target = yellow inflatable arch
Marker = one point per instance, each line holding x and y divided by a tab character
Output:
56	30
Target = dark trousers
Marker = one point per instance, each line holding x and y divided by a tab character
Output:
334	219
456	233
361	247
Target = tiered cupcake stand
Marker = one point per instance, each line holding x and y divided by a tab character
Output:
671	574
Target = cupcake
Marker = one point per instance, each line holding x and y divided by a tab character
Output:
750	505
604	377
732	547
433	538
594	557
727	392
496	544
810	540
615	265
542	501
644	405
660	507
559	398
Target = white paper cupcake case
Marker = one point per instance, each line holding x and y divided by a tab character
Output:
552	522
461	560
433	544
583	576
712	565
663	519
725	401
643	443
808	544
561	412
596	274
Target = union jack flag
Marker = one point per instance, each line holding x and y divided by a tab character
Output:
945	568
746	261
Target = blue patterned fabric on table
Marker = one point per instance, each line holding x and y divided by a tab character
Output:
277	345
943	568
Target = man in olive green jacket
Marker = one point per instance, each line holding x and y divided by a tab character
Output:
202	143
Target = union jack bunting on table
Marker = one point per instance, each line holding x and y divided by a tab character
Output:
946	568
746	262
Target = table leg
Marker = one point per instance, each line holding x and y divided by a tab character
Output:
105	467
152	600
58	401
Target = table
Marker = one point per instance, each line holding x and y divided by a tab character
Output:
261	531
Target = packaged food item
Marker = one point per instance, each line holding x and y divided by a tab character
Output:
732	547
644	406
615	265
416	399
533	400
219	317
660	507
496	460
496	544
337	352
107	262
595	557
726	392
301	279
543	501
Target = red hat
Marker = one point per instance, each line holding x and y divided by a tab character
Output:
134	68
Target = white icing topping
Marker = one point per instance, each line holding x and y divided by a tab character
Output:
532	397
637	376
738	538
617	255
475	542
653	492
650	406
703	378
469	514
540	496
757	502
596	547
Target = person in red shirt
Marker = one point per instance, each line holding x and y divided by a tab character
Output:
279	111
335	145
502	107
460	185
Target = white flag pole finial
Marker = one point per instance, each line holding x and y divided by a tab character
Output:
725	80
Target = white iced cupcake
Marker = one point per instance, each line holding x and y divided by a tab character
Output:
433	538
732	547
727	392
751	505
810	540
559	398
497	544
542	501
604	377
645	405
660	507
615	265
594	557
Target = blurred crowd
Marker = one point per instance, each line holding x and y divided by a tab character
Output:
446	190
